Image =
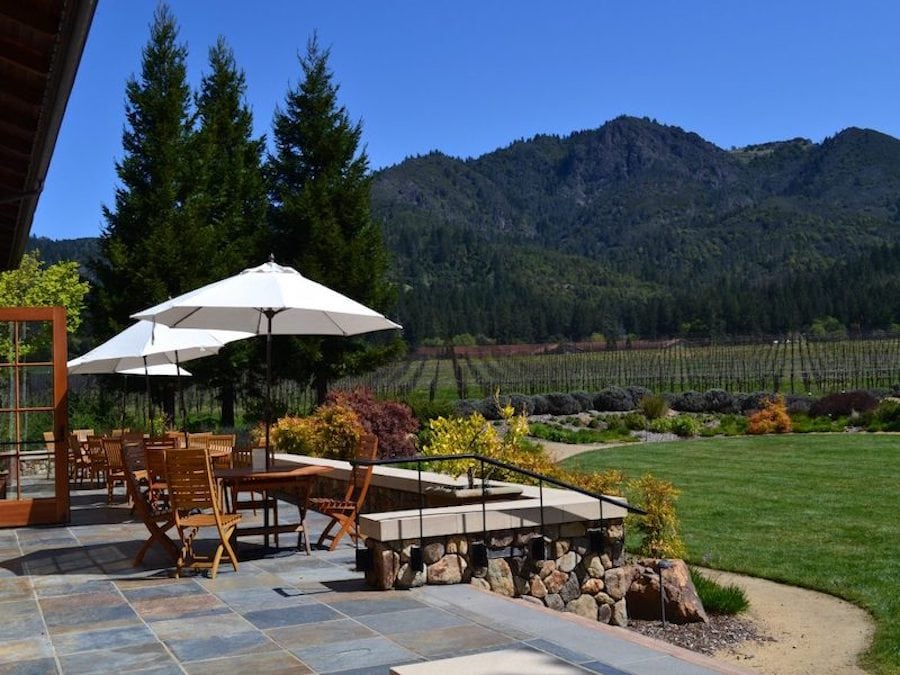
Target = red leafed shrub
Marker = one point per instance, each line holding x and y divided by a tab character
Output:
843	404
394	423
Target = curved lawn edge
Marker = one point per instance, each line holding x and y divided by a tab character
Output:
814	511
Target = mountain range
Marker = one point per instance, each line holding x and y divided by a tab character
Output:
641	228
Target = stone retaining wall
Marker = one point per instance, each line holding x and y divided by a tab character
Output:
572	578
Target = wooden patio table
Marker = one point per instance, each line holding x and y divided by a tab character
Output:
295	481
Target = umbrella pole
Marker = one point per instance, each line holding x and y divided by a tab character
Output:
269	314
124	392
181	398
149	424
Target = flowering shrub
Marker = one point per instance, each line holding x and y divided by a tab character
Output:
337	431
659	528
772	418
332	431
393	423
475	435
296	435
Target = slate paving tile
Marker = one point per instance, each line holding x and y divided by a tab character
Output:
244	600
289	616
160	589
94	640
45	666
15	588
147	656
218	625
48	587
603	668
183	608
444	642
322	632
410	620
375	605
98	610
272	663
558	650
348	654
218	646
21	619
33	647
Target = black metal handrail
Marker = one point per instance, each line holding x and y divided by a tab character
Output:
419	459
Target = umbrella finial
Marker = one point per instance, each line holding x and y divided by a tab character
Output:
271	257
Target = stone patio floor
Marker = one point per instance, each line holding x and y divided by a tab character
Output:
71	602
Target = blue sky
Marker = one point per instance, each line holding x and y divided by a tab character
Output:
469	76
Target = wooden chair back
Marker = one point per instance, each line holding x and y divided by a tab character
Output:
242	457
361	475
113	449
115	465
131	437
190	479
83	434
96	455
79	463
221	447
198	440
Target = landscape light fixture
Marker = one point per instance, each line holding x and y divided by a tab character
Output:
663	564
596	540
416	558
479	554
538	547
365	560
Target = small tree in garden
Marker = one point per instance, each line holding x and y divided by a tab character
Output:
392	422
659	528
772	418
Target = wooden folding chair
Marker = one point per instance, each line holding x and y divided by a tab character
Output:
343	511
96	460
79	462
194	498
157	516
220	447
115	466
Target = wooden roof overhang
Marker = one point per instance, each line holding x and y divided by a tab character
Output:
41	42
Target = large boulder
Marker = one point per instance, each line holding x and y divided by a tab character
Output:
682	603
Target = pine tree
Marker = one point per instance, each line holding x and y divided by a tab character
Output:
230	202
150	246
320	216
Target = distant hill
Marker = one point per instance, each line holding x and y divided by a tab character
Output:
638	228
54	250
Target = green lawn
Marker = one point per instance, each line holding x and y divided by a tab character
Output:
820	511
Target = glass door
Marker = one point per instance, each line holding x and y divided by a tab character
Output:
34	485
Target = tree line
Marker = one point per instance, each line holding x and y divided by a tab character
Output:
199	198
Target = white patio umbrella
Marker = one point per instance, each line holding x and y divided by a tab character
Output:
268	300
145	345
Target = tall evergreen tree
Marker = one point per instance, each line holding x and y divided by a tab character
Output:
150	245
230	202
320	215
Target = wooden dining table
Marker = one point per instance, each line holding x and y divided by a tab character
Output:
295	481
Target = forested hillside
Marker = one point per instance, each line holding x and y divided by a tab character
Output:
639	228
642	228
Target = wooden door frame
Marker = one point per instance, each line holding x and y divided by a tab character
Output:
46	510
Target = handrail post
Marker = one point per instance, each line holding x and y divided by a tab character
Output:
417	554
